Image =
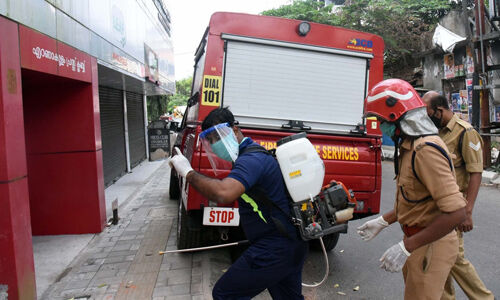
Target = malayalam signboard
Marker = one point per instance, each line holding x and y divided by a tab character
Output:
45	54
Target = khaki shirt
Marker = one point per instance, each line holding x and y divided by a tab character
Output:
469	159
437	187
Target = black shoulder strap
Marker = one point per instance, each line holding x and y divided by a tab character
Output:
461	144
259	194
461	140
436	146
255	148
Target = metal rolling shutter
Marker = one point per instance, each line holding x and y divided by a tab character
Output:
135	116
266	85
112	132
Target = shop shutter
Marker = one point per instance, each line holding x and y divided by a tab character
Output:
112	133
135	116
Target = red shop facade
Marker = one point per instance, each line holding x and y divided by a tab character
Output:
51	162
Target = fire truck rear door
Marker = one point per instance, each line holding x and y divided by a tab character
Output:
268	83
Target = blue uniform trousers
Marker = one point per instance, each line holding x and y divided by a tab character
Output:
273	263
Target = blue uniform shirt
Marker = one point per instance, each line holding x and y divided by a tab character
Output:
257	168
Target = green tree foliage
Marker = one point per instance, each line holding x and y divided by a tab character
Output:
403	24
310	10
162	104
182	93
157	106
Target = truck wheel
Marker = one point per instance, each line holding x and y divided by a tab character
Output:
173	189
330	242
186	237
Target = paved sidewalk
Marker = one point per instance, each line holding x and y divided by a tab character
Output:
123	261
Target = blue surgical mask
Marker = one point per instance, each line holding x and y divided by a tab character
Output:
388	129
224	146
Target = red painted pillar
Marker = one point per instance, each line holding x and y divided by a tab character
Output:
17	269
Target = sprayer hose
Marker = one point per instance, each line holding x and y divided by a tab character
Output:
327	268
205	248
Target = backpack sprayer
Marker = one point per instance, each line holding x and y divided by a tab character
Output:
317	211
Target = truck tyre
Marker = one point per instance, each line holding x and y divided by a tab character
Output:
173	189
186	237
330	242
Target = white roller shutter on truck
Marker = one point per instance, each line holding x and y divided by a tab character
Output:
268	83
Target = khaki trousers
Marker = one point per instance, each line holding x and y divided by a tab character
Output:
466	276
427	268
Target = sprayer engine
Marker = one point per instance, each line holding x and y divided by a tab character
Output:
326	213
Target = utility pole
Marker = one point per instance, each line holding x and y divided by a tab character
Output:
483	82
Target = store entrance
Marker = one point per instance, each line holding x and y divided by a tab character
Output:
60	136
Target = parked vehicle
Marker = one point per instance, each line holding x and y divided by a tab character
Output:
280	77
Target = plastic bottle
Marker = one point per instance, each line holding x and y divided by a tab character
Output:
301	166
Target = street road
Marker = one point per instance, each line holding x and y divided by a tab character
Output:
355	262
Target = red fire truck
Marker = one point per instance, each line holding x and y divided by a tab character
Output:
280	77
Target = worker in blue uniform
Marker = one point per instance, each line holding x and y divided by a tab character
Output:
276	254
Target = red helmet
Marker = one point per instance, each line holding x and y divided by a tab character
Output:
390	99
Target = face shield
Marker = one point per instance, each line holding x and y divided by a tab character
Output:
221	145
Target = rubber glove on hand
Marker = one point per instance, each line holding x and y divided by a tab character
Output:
180	163
394	258
371	228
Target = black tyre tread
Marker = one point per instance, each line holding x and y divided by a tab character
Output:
186	238
173	190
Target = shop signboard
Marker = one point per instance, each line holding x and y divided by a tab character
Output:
113	31
122	61
159	138
38	51
42	53
151	65
73	63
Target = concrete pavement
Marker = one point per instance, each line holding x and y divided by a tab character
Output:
123	261
54	253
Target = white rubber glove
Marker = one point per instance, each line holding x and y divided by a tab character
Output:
180	163
394	258
371	228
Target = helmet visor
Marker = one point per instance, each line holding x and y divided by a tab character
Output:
220	145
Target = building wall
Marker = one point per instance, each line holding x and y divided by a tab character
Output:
433	72
114	31
17	270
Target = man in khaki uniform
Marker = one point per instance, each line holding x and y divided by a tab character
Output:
428	202
465	145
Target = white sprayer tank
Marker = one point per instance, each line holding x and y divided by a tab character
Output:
301	166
